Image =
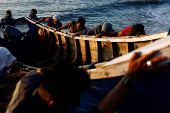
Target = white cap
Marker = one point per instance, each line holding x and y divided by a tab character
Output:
56	17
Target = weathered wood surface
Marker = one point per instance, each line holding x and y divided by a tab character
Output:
83	50
118	67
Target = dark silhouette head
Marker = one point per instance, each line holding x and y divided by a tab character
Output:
82	21
8	14
64	85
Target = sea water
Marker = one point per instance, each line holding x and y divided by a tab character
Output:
153	14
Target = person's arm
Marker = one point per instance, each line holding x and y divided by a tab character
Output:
42	19
137	65
84	32
120	34
76	34
65	26
111	34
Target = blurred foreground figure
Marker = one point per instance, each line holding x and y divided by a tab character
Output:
8	67
57	88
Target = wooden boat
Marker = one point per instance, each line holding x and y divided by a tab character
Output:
151	94
29	50
80	50
83	50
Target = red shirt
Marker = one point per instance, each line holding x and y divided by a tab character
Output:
125	31
51	23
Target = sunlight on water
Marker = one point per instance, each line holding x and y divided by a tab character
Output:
154	14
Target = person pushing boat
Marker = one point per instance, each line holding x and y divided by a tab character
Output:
8	17
52	22
134	30
74	26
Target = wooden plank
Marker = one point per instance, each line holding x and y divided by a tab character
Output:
57	42
71	50
107	51
93	51
122	48
85	52
140	44
62	47
119	69
78	61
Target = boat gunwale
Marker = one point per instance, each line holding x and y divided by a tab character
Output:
142	38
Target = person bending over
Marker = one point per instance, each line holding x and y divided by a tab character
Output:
52	22
105	27
57	89
74	26
134	30
32	15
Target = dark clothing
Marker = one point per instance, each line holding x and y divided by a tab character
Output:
168	32
5	20
31	25
22	100
26	98
3	77
73	27
95	109
97	29
93	31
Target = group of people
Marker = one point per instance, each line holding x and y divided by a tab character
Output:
78	27
57	88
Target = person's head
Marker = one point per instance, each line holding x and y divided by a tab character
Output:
56	19
61	87
80	23
140	28
107	27
8	14
136	29
33	13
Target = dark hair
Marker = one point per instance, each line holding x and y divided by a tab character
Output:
8	12
34	11
140	28
65	82
82	21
